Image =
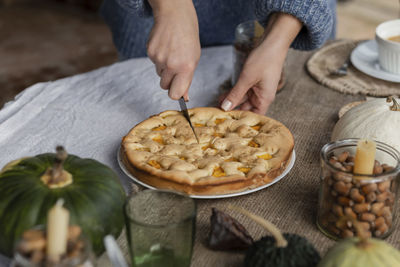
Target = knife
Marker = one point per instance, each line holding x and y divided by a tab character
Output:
185	112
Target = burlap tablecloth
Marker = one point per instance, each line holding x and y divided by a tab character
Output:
102	106
310	111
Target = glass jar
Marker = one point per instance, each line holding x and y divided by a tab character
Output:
346	198
247	36
85	258
161	228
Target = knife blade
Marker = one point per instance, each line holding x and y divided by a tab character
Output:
185	113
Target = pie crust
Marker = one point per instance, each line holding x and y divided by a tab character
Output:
237	151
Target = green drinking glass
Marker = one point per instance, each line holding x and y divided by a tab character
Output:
160	228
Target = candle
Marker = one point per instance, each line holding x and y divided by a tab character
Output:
365	157
57	231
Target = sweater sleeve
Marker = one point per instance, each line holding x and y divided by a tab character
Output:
316	16
140	8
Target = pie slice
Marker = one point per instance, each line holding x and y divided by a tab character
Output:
238	150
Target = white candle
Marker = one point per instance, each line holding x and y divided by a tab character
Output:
57	231
365	157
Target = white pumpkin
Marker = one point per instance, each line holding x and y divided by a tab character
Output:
377	119
353	252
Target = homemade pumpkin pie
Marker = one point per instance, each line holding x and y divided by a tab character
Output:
237	150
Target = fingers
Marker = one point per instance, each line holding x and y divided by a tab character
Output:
257	99
246	106
175	55
186	96
261	98
158	70
261	109
237	93
180	85
175	76
166	78
225	94
221	97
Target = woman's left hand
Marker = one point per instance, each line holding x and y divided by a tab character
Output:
257	84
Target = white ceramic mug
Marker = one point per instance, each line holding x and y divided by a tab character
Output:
389	51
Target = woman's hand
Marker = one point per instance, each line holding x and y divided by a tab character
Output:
257	84
174	45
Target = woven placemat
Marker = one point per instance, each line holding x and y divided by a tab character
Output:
331	57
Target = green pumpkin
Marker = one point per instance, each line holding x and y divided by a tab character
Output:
353	252
94	198
298	252
279	250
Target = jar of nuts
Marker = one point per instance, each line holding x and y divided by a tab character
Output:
369	199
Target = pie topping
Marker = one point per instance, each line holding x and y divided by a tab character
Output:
233	146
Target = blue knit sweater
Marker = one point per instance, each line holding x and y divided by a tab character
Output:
131	21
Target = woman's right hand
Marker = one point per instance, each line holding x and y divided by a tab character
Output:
174	44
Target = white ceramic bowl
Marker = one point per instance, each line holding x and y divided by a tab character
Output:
389	51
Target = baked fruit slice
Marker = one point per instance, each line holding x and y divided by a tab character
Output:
238	150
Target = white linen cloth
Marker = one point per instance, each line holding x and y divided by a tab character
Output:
89	113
